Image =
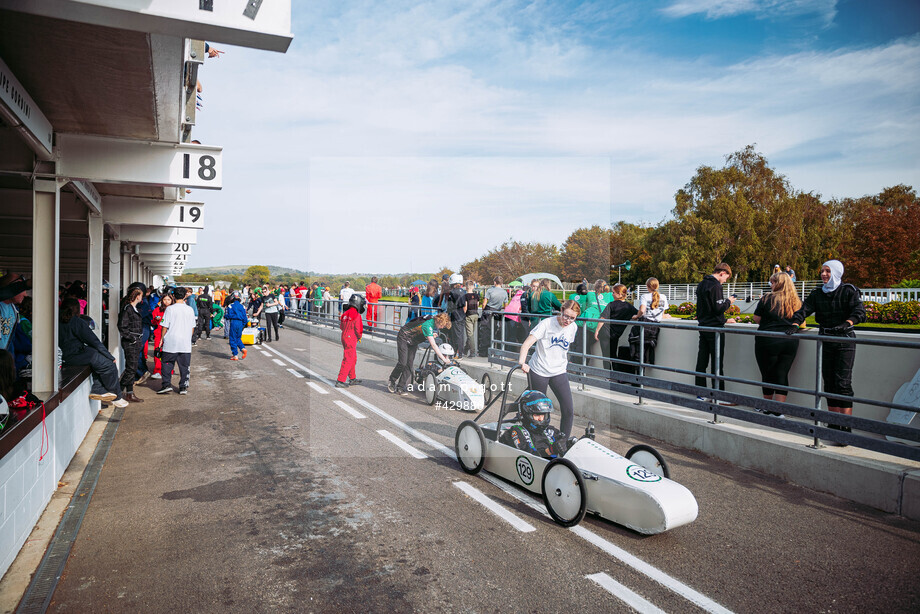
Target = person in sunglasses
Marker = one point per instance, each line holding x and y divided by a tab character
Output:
549	364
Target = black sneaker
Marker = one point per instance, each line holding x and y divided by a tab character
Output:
402	392
354	381
339	384
391	386
183	390
165	390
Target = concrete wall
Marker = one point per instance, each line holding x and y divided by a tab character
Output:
27	482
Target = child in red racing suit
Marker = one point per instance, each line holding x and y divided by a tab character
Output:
352	331
534	434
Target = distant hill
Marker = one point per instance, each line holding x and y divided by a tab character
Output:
233	269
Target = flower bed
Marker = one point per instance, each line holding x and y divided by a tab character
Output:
894	312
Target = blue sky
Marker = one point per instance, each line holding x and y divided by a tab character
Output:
398	135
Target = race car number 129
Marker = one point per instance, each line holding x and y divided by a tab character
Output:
525	470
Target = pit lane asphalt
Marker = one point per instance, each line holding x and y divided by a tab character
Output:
258	493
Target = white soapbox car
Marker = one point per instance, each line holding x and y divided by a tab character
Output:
448	383
634	491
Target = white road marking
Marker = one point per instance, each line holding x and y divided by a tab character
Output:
495	508
634	600
636	563
654	573
318	388
350	410
295	373
280	363
402	444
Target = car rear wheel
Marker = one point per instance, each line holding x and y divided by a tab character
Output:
470	445
649	458
564	492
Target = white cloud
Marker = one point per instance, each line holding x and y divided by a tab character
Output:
762	9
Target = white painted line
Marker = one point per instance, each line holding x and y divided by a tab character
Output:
495	508
295	373
351	411
402	444
655	574
318	388
280	363
634	600
636	563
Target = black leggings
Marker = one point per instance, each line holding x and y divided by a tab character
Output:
837	360
706	356
560	386
405	357
775	357
271	320
132	355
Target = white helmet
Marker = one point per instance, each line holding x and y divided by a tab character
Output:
456	278
446	349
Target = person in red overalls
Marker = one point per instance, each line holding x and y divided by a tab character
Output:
352	331
155	319
372	292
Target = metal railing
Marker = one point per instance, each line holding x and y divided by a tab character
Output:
810	421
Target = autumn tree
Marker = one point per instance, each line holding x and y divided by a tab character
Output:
745	214
881	237
512	259
586	254
256	274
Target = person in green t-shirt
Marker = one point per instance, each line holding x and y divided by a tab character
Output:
408	339
543	302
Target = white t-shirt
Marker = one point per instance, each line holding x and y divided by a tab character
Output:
345	294
552	347
179	320
654	315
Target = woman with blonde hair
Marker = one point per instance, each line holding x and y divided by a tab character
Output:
774	313
653	307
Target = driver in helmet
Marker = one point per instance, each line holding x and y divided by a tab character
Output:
352	331
535	434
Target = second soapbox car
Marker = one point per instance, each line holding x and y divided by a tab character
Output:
448	383
634	491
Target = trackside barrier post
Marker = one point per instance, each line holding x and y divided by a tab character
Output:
641	362
818	386
715	380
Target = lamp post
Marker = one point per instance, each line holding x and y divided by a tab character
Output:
626	265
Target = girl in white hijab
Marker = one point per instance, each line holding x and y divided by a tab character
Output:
838	308
833	271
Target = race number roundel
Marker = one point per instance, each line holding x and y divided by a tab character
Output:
641	474
525	470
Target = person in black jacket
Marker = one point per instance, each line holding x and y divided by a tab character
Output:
710	311
838	307
79	346
618	309
205	310
130	325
